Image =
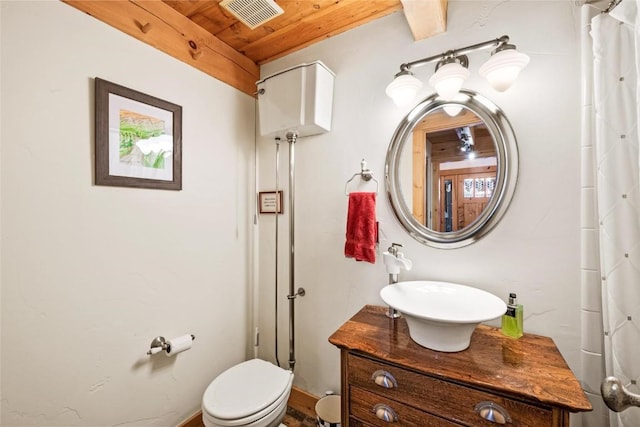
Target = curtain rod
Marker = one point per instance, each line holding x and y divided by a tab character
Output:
612	5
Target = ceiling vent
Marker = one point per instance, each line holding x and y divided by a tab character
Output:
252	13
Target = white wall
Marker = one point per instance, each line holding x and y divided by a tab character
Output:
91	274
82	294
1	234
535	249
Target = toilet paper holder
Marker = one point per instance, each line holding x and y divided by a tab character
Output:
160	344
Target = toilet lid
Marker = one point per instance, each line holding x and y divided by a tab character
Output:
245	389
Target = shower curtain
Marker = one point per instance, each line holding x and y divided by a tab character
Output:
616	194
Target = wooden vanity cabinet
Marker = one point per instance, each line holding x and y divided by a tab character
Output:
387	379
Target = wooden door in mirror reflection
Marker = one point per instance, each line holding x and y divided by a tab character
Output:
439	156
464	194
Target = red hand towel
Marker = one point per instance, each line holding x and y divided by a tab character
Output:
361	227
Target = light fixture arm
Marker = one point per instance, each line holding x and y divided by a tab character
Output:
450	54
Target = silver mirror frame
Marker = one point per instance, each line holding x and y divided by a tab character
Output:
506	175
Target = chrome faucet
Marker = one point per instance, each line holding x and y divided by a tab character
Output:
394	261
393	249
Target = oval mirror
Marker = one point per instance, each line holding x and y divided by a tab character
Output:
451	169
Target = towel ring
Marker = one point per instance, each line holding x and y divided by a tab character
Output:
365	174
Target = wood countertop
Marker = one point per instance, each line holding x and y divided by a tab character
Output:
529	368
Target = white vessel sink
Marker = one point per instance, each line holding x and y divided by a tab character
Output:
442	316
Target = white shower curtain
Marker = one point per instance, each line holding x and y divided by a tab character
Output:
617	158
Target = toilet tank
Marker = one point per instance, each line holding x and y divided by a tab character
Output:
296	99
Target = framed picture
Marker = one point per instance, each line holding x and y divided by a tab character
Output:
138	140
270	201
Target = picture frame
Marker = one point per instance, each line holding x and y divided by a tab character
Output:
138	139
270	201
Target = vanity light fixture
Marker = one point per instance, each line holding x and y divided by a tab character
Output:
503	67
403	88
500	70
449	77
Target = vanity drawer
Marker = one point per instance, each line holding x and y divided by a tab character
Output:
451	401
364	404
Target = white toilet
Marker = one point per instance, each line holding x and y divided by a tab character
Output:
251	394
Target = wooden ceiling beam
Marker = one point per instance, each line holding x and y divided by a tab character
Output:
191	7
215	19
161	26
426	18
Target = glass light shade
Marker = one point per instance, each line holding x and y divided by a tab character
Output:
502	69
452	110
403	89
448	80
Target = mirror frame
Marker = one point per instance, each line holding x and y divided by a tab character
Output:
506	176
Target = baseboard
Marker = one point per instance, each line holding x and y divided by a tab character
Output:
303	402
193	421
299	400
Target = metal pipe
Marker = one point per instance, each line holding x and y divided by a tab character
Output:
393	279
278	208
291	138
612	5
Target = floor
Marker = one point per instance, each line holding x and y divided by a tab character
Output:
293	418
296	418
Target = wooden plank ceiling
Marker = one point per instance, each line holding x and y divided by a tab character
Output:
208	37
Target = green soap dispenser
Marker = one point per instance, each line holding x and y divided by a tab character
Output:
512	323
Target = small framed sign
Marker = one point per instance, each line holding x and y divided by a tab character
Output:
270	202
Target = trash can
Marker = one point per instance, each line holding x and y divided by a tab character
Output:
328	411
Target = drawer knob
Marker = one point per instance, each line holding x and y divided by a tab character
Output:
493	412
384	379
385	413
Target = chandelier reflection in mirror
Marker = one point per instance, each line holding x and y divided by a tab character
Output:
466	141
501	70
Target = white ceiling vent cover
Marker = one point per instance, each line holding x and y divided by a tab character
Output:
253	13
